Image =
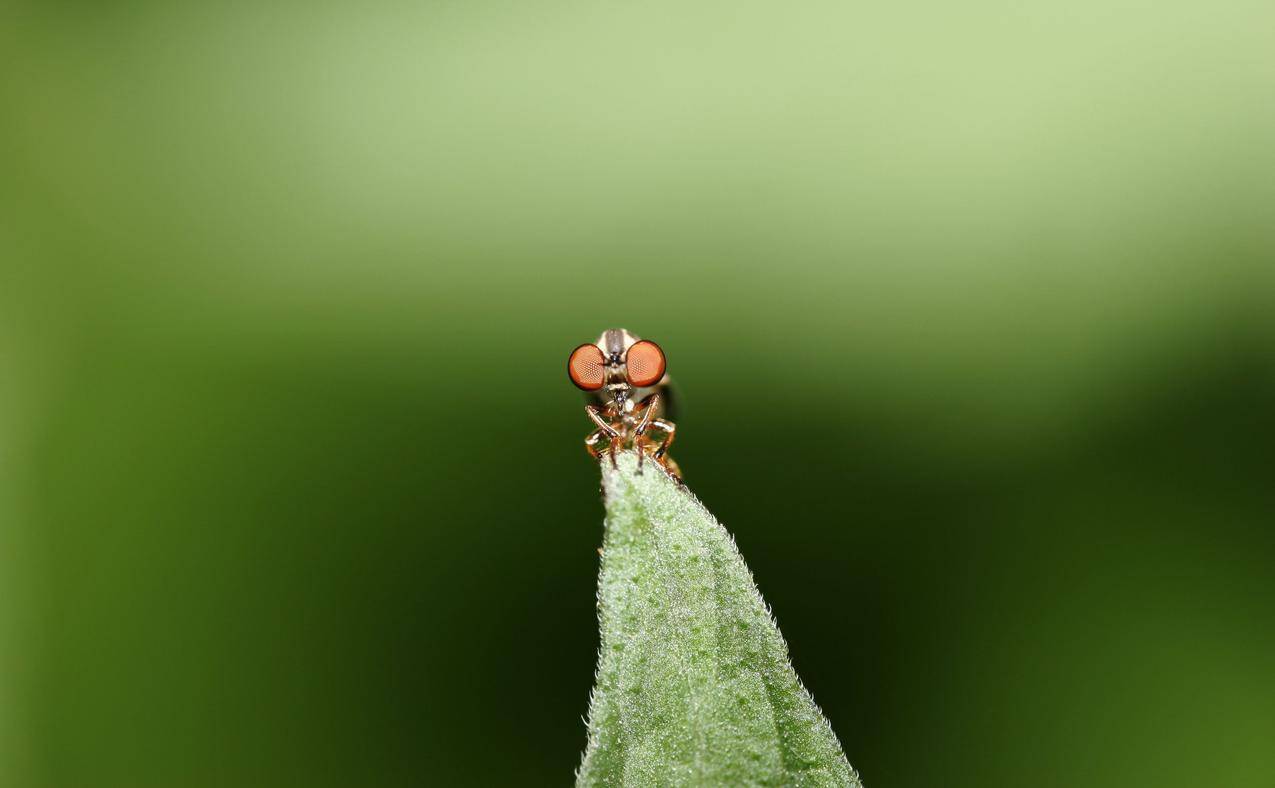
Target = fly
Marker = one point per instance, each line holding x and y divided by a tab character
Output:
628	385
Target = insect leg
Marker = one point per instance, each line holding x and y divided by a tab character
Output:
591	443
611	432
649	404
671	466
596	414
639	436
669	429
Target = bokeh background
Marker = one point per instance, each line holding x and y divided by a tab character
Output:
971	306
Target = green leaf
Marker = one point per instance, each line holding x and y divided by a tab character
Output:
693	686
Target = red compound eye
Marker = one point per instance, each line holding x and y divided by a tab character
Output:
645	362
587	367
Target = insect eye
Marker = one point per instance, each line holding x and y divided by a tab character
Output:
645	363
587	367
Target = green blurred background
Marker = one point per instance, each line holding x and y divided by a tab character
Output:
971	306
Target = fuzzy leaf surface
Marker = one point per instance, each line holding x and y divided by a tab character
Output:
694	685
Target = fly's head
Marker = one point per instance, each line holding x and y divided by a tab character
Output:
616	365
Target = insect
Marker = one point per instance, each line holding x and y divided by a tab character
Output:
630	395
